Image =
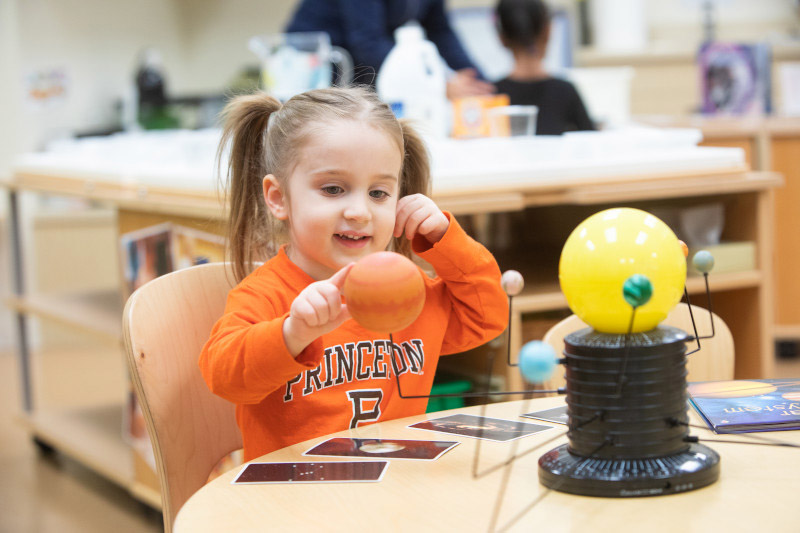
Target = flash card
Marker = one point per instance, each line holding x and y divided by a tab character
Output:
426	450
480	427
557	415
319	472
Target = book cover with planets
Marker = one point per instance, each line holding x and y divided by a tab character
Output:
735	78
743	406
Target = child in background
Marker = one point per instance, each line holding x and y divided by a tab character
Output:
344	178
524	28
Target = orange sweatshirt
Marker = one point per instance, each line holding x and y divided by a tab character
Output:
345	378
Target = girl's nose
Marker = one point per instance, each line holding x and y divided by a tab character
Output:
357	208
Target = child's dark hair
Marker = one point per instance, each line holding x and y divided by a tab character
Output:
522	23
264	137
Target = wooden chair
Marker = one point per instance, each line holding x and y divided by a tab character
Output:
166	322
714	361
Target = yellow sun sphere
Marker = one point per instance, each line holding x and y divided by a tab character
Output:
605	250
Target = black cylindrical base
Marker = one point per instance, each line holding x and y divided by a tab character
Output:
628	431
626	394
624	478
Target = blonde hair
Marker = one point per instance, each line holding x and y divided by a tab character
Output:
265	137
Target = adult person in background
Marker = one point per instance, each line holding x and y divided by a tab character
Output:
365	28
524	28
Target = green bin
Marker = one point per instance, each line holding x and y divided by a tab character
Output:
448	387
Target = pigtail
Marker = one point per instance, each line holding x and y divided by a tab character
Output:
245	120
415	176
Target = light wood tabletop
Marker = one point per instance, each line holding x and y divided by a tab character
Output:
758	488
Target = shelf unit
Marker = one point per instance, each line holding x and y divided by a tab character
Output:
95	313
769	144
91	434
742	299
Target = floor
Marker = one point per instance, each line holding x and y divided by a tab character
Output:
44	493
48	492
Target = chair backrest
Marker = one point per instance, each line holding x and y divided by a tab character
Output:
165	323
714	361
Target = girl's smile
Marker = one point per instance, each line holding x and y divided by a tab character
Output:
352	240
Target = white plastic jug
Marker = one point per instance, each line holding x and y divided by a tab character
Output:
412	80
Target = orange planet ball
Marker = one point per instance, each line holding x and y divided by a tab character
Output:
384	292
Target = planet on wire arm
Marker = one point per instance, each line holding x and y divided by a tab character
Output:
537	361
703	261
384	292
512	282
637	290
684	248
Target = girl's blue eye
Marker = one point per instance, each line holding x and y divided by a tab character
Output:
332	189
379	195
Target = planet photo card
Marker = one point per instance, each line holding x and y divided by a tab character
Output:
481	427
557	415
426	450
316	472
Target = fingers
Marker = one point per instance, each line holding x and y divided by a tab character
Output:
319	304
465	84
406	207
304	311
477	87
418	214
344	315
338	278
414	221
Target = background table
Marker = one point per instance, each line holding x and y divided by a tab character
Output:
758	488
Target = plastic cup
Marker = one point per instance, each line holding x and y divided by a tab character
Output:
513	120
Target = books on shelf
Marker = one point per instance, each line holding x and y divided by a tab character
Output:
743	406
739	256
157	250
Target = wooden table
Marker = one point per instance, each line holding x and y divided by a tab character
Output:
757	489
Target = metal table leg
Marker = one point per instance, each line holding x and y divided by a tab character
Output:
23	348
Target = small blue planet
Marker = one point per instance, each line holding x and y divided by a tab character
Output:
537	361
703	261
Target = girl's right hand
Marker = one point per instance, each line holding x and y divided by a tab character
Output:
317	310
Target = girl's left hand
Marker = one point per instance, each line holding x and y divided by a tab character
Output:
416	213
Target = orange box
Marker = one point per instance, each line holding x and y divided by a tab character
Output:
471	117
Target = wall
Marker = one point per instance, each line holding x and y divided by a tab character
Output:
676	23
215	34
94	43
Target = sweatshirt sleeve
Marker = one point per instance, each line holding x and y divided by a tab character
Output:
246	358
364	26
440	32
468	280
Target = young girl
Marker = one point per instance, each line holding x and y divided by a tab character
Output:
342	178
524	28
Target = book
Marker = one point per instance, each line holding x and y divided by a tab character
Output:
744	406
735	78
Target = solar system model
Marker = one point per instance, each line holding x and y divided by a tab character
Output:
622	271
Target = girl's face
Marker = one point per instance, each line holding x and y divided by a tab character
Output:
342	197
